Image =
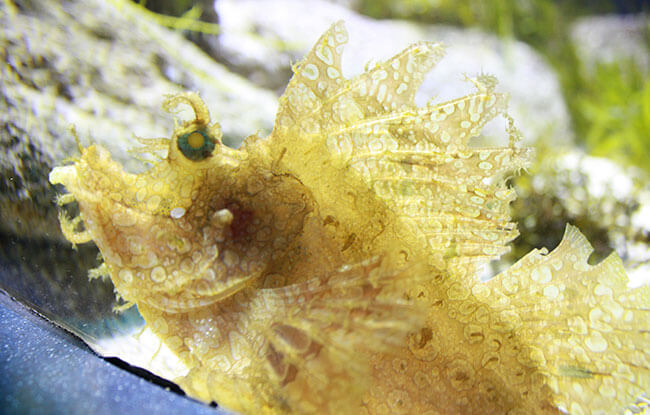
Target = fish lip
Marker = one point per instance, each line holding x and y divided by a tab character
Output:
62	175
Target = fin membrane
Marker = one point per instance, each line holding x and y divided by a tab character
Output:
588	330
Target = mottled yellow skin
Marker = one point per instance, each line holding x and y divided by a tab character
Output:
331	267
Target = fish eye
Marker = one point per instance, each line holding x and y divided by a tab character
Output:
196	145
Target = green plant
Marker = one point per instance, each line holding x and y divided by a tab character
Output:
613	114
181	14
538	22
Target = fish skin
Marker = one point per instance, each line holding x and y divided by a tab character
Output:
331	267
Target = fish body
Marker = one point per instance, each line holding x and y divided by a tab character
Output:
331	267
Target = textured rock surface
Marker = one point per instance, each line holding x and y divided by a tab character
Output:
104	68
262	39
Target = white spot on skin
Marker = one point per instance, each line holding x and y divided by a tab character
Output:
596	315
363	90
332	72
381	94
628	316
484	165
577	388
236	341
542	275
478	200
375	145
187	266
177	213
603	290
135	244
614	309
126	276
438	116
324	53
409	64
379	75
230	258
596	343
141	195
222	217
209	274
196	257
551	292
153	202
576	409
145	261
159	326
123	219
607	390
158	275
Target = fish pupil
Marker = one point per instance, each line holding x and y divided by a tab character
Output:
195	140
196	145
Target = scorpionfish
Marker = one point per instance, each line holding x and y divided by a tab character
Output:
332	267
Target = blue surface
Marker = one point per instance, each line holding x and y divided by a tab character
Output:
45	370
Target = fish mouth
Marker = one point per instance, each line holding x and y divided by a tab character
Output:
97	184
101	189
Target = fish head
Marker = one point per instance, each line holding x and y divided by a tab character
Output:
174	237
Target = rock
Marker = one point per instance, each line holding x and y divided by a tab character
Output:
612	38
262	39
104	68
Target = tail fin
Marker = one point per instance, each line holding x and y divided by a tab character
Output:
588	330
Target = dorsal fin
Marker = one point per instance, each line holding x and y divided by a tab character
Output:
367	130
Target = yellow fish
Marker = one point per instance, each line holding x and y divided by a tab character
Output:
332	266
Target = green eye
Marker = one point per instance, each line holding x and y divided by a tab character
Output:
196	145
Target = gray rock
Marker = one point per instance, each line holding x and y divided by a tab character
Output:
262	39
606	39
103	67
